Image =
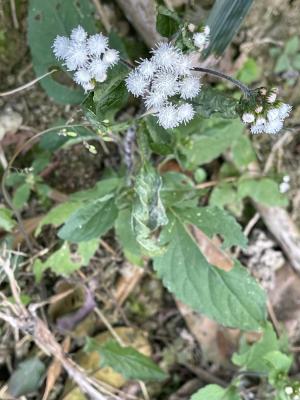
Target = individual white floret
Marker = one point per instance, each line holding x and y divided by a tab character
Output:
111	57
201	40
167	117
78	35
60	47
284	110
166	83
256	128
273	114
77	57
155	100
82	76
88	86
183	65
206	30
165	56
272	97
97	69
247	118
136	83
147	68
273	126
189	87
97	44
185	113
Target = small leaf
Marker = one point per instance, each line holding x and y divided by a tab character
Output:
278	361
250	72
292	45
6	221
127	361
148	213
21	195
90	221
264	191
125	235
27	378
167	21
231	298
216	392
214	220
161	141
282	64
296	62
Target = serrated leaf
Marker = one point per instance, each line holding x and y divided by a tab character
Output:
127	361
90	221
224	21
167	21
214	102
6	221
21	195
214	220
148	213
125	235
231	298
215	137
251	358
46	19
178	189
264	191
27	378
226	195
216	392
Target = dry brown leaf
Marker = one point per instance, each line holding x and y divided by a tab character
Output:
55	369
212	252
131	276
30	226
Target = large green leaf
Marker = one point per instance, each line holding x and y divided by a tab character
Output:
231	298
161	141
167	21
216	392
90	221
214	220
148	213
46	19
224	20
126	360
27	377
214	138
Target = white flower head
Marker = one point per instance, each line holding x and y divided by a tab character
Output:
98	69
258	128
190	87
166	84
78	35
136	83
82	76
201	39
284	110
247	118
111	57
183	65
289	390
167	117
147	68
165	56
274	126
206	30
155	100
185	113
273	114
60	47
97	44
77	56
272	97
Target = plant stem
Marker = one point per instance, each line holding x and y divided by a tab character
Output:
219	74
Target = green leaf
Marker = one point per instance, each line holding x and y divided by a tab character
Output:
90	221
278	361
216	392
214	220
215	137
224	21
264	191
250	71
6	221
49	18
292	45
242	152
296	62
251	358
214	102
27	378
21	195
126	360
87	249
167	21
161	141
231	298
102	188
148	213
282	64
178	189
125	235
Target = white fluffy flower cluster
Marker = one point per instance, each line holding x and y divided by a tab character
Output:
270	123
201	39
167	74
89	56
